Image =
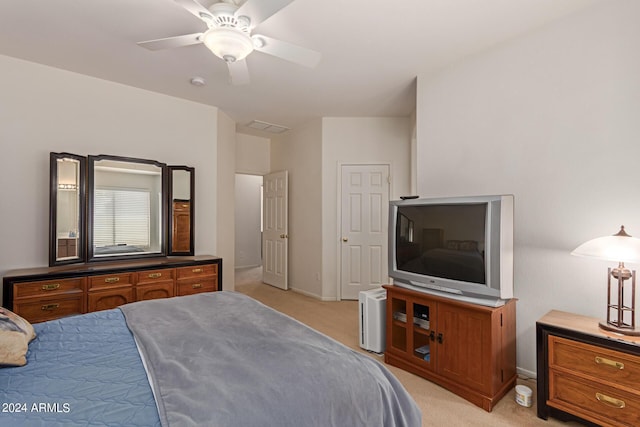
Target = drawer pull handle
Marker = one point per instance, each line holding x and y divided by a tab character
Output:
50	307
610	401
155	275
196	286
196	270
609	362
51	287
111	280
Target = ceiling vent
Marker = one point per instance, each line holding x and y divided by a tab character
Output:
267	127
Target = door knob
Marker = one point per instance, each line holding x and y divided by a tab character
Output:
344	239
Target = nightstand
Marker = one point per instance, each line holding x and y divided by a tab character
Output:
586	374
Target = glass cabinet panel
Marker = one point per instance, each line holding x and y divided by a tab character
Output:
421	332
399	324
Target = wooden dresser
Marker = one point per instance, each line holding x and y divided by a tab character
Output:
586	374
47	293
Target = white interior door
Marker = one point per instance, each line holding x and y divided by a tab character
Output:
275	229
364	224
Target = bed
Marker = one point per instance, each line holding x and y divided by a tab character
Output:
215	359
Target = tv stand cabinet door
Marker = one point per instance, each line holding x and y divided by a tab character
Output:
464	336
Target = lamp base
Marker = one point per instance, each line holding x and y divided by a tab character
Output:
624	331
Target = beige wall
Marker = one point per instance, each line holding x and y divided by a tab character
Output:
44	109
349	140
313	155
553	119
299	152
225	191
253	154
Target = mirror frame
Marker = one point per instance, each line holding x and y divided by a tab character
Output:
90	208
53	209
170	216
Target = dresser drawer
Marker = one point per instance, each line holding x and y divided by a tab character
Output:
181	206
109	298
48	287
148	291
151	276
197	285
111	280
197	271
44	309
605	405
619	369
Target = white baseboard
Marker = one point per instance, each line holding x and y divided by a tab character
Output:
238	267
312	295
526	373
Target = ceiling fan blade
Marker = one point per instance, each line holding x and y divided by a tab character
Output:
172	42
239	72
288	51
260	10
196	9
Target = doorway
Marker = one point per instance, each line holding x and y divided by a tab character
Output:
248	223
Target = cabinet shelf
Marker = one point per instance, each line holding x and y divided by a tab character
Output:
399	323
420	330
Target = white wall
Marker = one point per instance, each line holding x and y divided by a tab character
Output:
247	216
299	152
553	118
225	191
253	154
44	109
369	140
313	155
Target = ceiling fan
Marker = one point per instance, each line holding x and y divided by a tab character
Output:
229	35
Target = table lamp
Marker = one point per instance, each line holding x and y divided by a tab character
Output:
621	248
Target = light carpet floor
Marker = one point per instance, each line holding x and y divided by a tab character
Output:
339	320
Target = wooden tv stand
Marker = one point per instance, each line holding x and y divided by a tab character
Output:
468	349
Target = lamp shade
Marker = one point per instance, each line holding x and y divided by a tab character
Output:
620	247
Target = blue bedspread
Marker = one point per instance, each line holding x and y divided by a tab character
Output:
216	359
82	370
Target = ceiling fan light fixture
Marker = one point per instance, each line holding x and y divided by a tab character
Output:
258	42
228	44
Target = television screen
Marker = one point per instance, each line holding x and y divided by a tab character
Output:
459	247
442	240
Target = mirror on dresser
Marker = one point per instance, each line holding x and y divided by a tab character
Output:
66	208
181	210
126	208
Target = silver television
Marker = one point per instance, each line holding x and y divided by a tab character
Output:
458	247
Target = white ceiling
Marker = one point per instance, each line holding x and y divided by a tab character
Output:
372	50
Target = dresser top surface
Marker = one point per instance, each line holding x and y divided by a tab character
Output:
103	266
584	325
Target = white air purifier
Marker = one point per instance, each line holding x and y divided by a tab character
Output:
372	309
